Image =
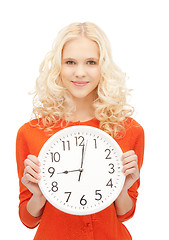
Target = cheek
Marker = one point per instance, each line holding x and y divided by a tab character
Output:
96	74
65	73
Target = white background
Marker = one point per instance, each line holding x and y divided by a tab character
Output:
138	32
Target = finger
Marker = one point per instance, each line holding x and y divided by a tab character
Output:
132	171
30	171
128	154
129	165
28	178
32	164
34	159
132	158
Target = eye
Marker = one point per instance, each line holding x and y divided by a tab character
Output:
91	63
70	62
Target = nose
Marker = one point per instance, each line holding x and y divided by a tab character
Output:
80	71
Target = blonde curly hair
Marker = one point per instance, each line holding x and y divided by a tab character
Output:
52	102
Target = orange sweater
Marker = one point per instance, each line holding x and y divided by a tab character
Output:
54	224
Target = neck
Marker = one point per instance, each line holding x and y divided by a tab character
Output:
84	110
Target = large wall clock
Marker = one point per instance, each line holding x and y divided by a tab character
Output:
81	170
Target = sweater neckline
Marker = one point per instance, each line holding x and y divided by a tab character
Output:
90	121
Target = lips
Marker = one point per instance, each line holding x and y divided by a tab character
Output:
80	83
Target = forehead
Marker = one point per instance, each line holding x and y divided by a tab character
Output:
81	47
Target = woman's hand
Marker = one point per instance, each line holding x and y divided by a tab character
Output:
124	203
31	175
30	179
130	169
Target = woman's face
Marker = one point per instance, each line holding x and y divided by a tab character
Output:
80	70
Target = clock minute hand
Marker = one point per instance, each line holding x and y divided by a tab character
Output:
83	153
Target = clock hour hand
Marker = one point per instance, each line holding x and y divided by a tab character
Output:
66	171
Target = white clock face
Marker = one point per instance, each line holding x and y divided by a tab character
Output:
81	170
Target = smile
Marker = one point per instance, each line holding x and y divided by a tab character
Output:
80	83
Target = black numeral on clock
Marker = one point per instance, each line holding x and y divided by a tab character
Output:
51	170
95	143
112	170
83	201
110	184
54	186
66	145
69	193
98	194
80	141
55	156
108	153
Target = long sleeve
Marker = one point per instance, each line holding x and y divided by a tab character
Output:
22	151
137	139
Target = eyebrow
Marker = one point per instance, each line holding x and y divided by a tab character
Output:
93	58
88	59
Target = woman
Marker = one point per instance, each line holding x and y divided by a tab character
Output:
79	84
